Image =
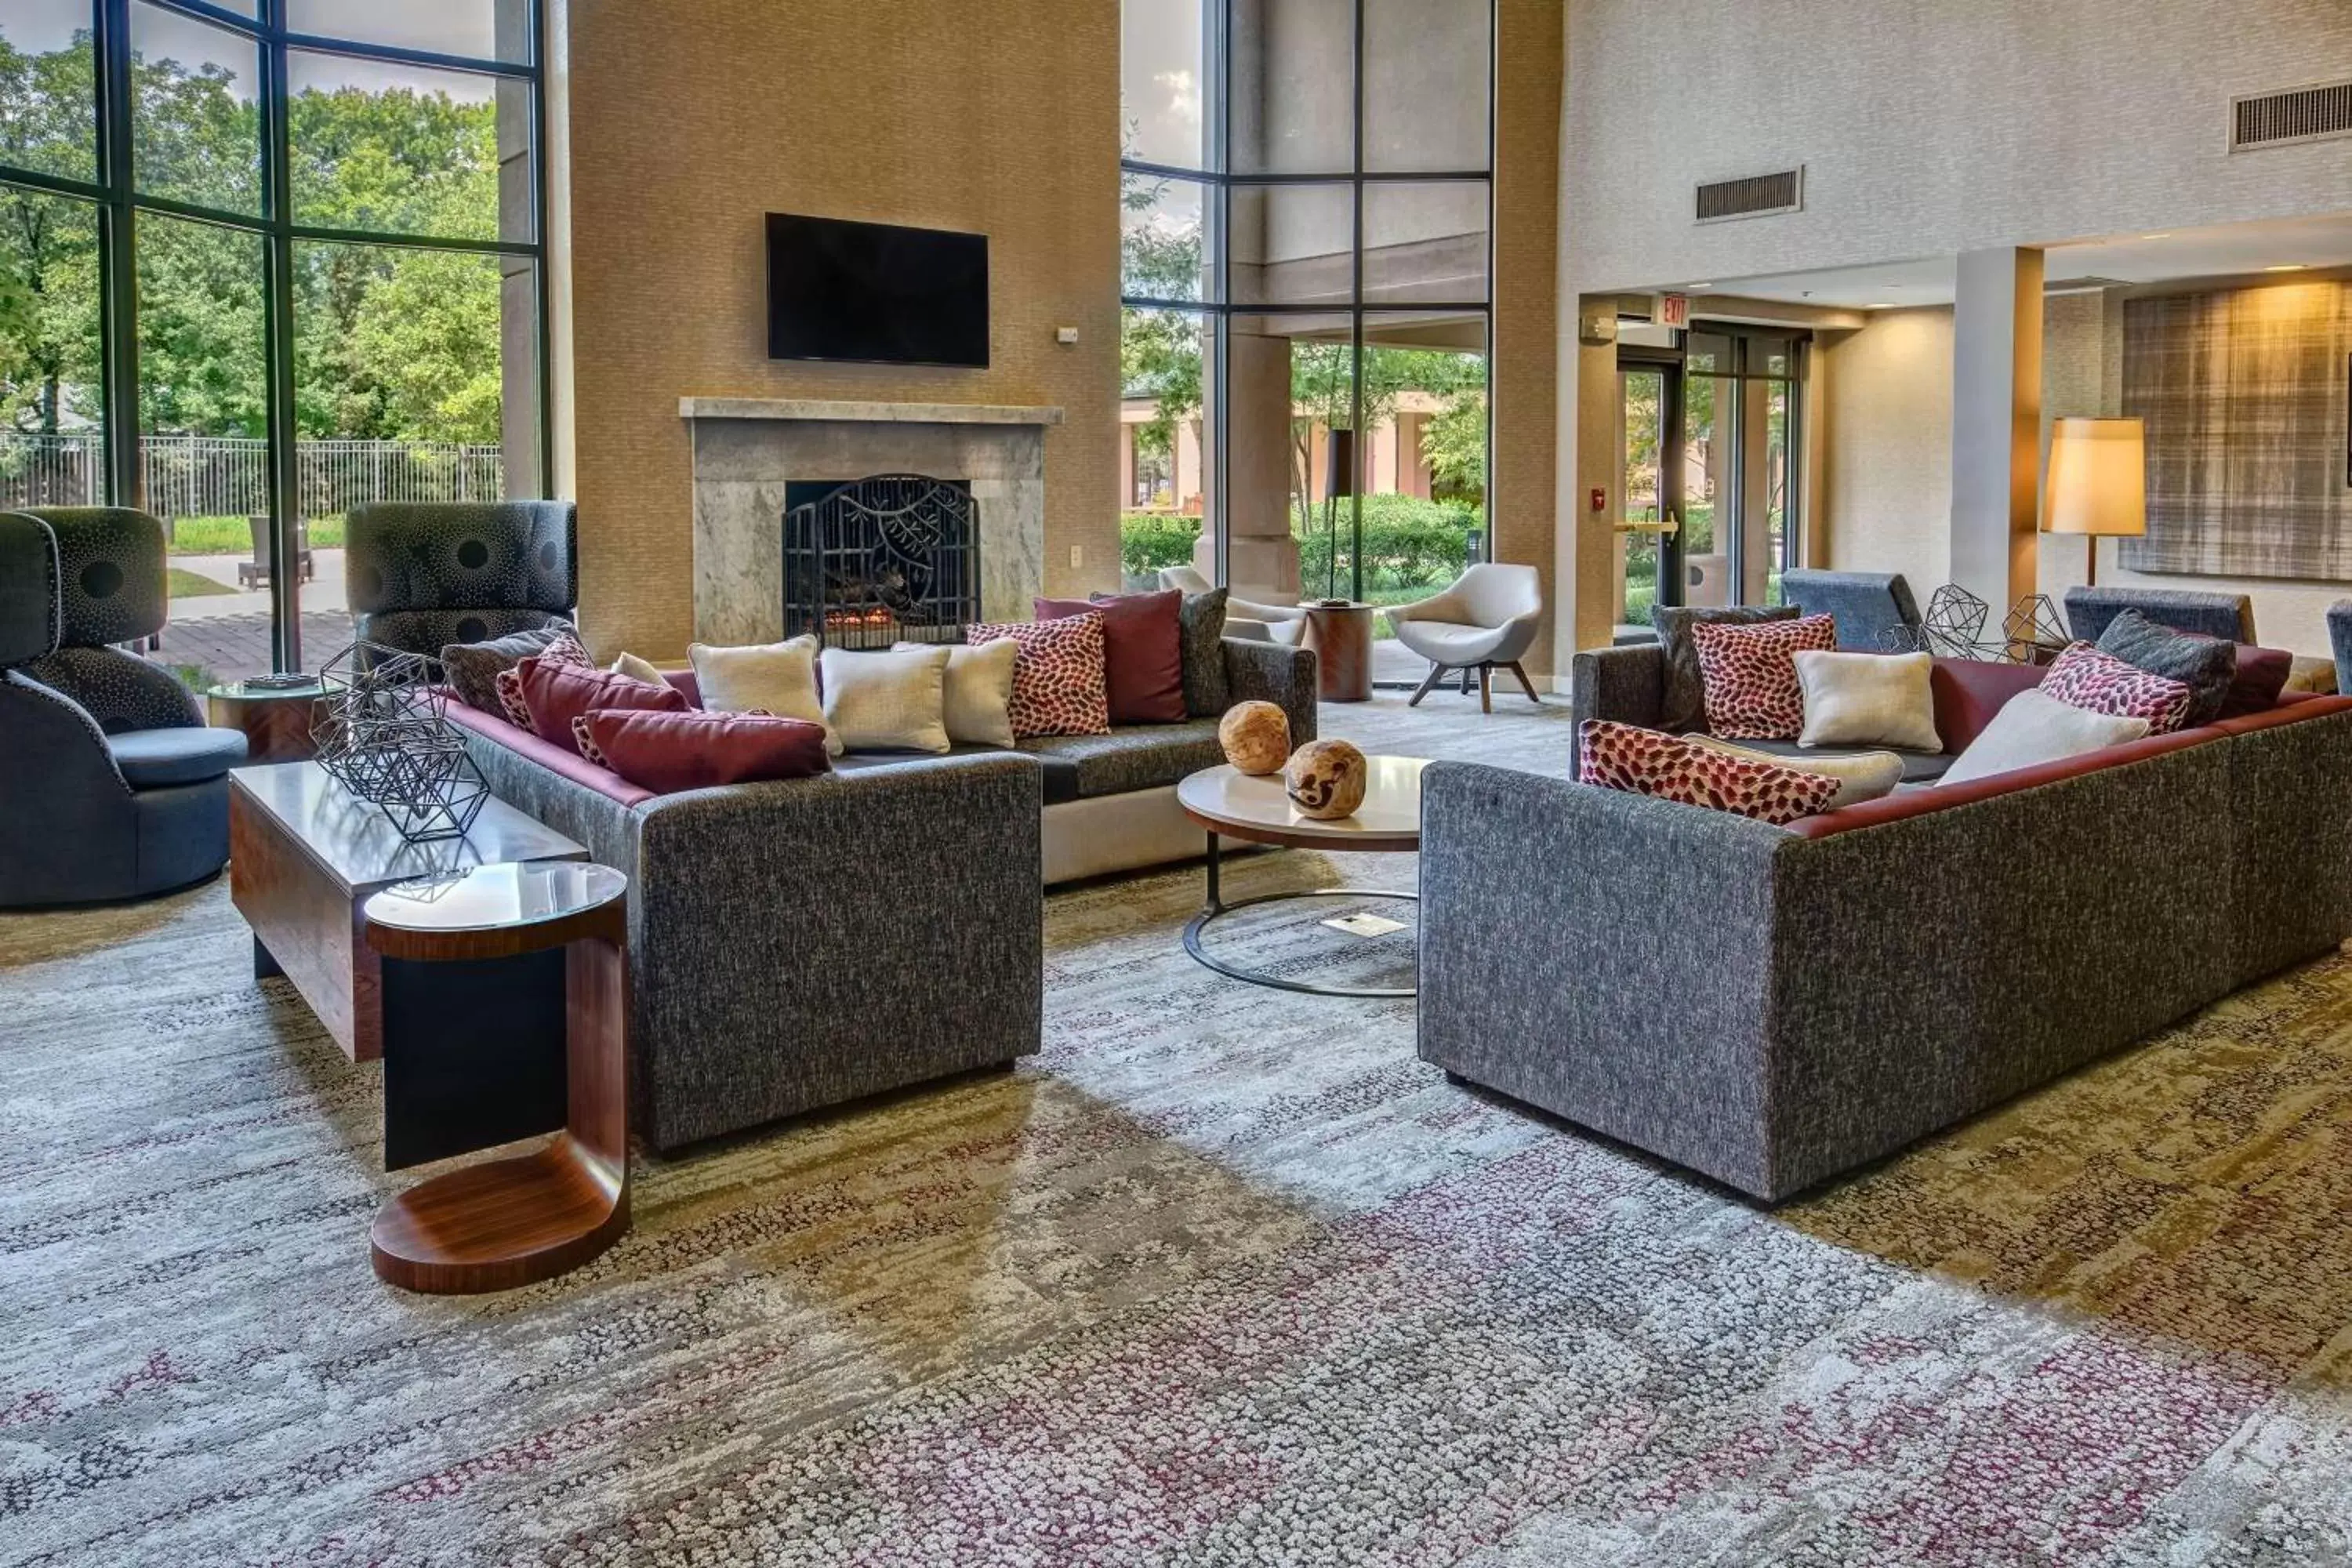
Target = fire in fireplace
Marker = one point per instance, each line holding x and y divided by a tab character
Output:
889	558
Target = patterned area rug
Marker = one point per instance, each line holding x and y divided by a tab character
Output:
1227	1276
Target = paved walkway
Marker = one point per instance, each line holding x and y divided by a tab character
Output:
230	648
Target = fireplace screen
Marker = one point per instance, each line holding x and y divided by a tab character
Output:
891	558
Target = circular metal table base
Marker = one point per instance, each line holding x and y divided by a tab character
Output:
1200	924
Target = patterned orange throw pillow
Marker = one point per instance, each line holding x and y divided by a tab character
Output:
1059	687
1750	672
1667	767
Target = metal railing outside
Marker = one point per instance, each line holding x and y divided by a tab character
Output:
209	476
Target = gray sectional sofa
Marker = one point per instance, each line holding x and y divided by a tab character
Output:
1773	1006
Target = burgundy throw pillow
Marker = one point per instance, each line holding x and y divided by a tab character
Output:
667	751
1750	674
1058	686
508	682
555	694
2261	675
2082	677
1667	767
1143	652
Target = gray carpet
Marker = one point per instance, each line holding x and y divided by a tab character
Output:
1226	1276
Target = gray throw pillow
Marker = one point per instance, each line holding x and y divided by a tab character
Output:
474	667
2205	665
1200	637
1683	701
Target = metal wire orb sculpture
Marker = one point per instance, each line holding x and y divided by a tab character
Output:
2033	632
386	736
1955	623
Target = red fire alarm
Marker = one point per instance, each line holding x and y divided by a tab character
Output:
1600	500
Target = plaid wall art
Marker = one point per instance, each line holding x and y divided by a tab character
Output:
2246	394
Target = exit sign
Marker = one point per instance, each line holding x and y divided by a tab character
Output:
1674	310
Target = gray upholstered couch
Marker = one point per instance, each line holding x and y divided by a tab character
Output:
804	942
1773	1006
1110	800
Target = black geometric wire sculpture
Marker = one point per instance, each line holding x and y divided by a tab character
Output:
1955	623
2033	633
386	736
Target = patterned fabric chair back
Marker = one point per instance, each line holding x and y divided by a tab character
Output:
30	615
421	575
111	583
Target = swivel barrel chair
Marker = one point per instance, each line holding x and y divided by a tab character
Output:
112	785
422	575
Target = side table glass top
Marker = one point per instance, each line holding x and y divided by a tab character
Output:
497	897
244	691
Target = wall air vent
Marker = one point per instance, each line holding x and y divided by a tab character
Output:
2304	114
1755	196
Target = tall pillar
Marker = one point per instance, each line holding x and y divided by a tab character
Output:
1996	423
1261	557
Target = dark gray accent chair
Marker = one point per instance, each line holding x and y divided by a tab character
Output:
1876	611
112	785
422	575
2227	615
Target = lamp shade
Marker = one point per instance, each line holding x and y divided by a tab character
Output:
1340	463
2098	477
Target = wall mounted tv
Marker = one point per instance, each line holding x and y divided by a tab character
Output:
875	292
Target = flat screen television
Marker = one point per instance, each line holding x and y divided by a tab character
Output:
875	292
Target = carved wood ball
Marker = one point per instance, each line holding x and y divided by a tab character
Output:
1326	780
1256	736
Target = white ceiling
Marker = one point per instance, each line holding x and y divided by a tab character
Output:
2228	250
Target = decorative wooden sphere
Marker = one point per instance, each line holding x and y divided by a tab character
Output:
1256	736
1326	780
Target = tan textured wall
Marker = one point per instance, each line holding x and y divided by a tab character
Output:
1887	467
1930	129
691	118
1524	374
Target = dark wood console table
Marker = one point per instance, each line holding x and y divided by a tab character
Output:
511	1222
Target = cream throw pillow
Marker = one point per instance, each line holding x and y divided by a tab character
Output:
637	668
2034	727
893	701
1868	700
979	690
780	677
1861	776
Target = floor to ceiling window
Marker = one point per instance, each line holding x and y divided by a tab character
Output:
1307	192
262	261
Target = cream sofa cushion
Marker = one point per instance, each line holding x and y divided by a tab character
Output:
979	690
1861	776
2033	727
893	701
779	676
1868	700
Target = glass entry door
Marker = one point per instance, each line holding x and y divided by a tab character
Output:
1649	490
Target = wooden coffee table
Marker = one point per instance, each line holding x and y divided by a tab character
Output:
504	1222
1226	801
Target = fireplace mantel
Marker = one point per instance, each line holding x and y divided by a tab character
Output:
748	451
865	413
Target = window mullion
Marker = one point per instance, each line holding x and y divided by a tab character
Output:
278	336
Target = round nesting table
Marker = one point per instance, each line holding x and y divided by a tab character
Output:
509	1222
1233	805
276	719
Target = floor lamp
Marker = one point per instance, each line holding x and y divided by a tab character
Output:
2098	484
1338	485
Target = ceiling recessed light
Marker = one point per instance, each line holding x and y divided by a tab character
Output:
1881	305
2165	235
1698	285
2284	267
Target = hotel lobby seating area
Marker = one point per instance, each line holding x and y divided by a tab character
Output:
869	903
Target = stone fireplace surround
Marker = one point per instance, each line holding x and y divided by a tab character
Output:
745	450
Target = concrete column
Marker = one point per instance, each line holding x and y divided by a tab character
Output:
1126	466
1586	549
1996	423
1262	559
1185	489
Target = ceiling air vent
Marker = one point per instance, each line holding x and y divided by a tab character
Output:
1752	197
2305	114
